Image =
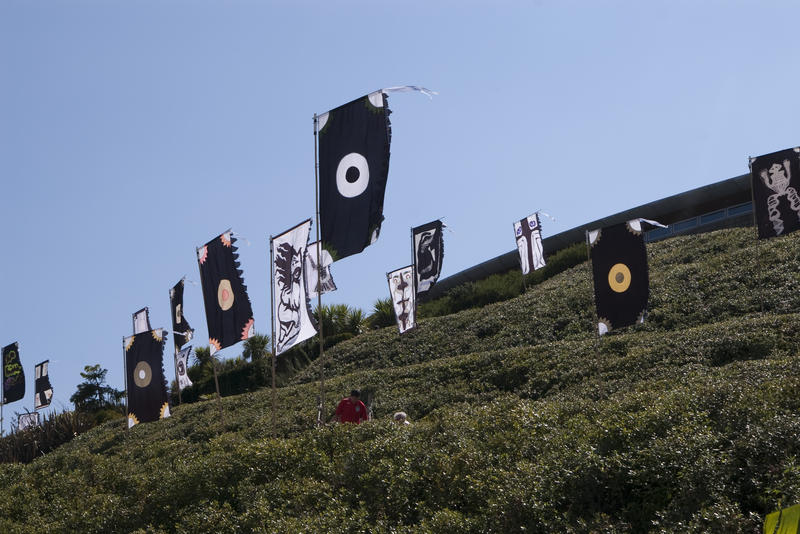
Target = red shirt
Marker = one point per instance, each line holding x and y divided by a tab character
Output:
351	412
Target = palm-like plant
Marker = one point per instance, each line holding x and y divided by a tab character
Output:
205	361
256	347
382	313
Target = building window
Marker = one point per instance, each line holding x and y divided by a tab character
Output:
685	225
658	233
713	216
747	207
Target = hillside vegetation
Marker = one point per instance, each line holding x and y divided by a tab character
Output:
523	421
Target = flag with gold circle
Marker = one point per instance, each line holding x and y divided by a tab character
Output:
229	314
619	270
145	380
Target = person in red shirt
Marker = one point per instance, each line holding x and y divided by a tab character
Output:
351	409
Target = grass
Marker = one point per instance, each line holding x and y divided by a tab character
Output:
522	421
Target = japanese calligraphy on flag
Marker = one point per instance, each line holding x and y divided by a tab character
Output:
294	321
528	233
43	391
13	375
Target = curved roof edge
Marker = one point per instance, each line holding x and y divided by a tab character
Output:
667	211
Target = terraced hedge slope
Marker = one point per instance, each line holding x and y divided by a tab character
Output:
523	422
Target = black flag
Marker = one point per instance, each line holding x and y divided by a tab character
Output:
353	166
619	269
181	330
428	243
147	387
43	391
775	180
228	311
13	376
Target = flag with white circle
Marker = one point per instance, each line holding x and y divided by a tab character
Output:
354	144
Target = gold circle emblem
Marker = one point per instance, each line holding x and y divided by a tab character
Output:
142	374
619	278
225	295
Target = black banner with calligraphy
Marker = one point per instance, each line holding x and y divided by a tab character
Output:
13	376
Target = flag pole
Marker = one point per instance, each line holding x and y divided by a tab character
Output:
597	318
414	263
175	356
125	364
272	320
216	383
319	277
755	222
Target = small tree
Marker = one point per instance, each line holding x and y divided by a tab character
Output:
256	347
382	314
93	393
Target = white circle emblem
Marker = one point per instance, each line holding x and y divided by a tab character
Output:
352	175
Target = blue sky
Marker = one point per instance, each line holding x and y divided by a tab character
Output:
132	132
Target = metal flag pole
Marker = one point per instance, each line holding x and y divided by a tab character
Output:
3	399
211	355
591	276
524	286
755	223
319	277
414	263
216	383
125	364
272	320
175	356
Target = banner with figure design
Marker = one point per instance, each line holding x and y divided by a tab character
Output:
428	245
775	180
401	291
294	321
